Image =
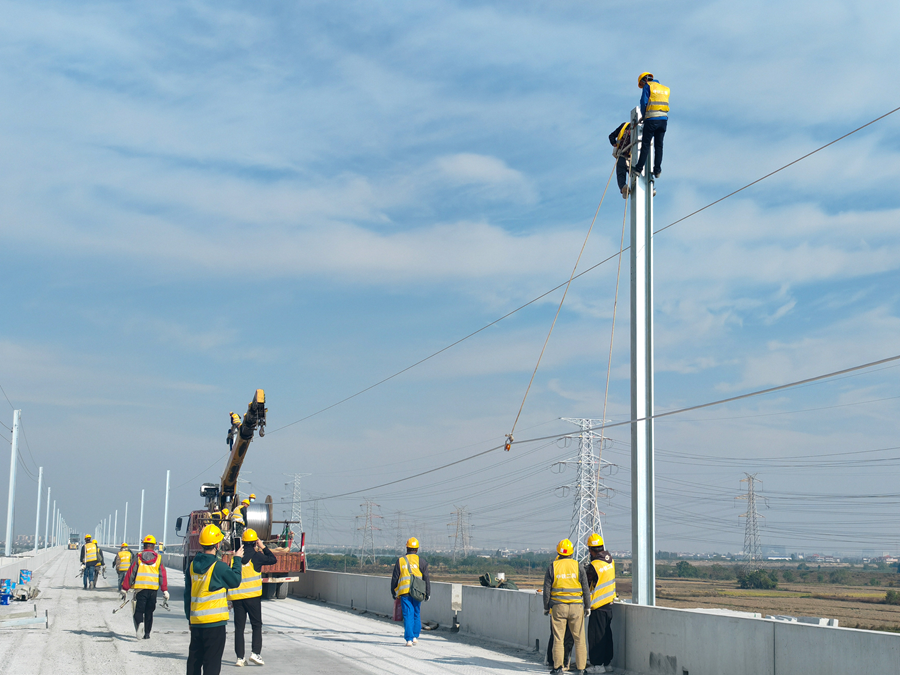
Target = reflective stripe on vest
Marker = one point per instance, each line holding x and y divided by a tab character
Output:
251	584
405	581
90	552
566	582
147	575
206	607
625	129
124	561
605	590
658	105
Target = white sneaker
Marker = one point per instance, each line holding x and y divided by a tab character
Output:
257	659
415	641
240	663
409	643
139	632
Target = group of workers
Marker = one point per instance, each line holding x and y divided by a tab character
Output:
573	592
235	521
654	116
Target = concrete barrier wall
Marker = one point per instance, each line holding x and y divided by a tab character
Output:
647	640
10	567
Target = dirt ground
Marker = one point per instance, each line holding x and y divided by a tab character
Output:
852	606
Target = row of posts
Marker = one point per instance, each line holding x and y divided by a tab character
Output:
106	531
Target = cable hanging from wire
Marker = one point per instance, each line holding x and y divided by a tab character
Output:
509	436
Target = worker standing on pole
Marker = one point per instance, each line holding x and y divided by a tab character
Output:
620	139
206	583
122	563
246	599
410	571
655	113
91	561
601	576
567	601
146	576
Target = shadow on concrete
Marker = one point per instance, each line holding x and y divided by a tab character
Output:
162	655
482	662
100	634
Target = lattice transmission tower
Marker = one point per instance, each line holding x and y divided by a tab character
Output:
462	542
296	510
587	487
752	543
368	529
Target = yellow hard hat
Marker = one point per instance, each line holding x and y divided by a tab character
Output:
225	512
249	535
245	501
565	547
595	540
210	536
412	542
641	79
124	545
149	539
252	496
87	537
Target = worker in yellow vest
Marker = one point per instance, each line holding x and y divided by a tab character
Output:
620	139
91	561
146	577
246	599
206	583
655	113
122	563
407	570
567	601
601	576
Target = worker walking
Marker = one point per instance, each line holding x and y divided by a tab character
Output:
122	563
601	576
620	139
146	577
655	113
91	561
567	601
206	583
246	599
411	583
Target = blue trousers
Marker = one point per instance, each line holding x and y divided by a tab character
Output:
412	619
89	572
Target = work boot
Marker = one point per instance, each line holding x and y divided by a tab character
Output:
146	636
257	659
624	192
657	173
637	170
240	663
556	671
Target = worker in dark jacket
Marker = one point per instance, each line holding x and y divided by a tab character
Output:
146	577
655	113
567	601
91	561
407	567
601	576
206	582
246	599
620	139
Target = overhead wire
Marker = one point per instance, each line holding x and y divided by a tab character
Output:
7	399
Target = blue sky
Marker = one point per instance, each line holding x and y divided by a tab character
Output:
199	199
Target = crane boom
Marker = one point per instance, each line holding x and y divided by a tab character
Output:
254	418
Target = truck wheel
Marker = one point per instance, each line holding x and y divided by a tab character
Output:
268	591
283	590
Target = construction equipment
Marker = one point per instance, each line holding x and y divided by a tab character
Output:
74	540
222	499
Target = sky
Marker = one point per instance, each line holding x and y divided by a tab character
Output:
199	199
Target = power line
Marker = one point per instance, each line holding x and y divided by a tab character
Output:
7	398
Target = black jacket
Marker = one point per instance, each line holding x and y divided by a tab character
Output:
423	568
100	560
259	558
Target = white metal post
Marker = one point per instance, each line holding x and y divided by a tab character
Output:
109	532
56	529
125	525
141	526
10	509
47	520
53	531
37	517
166	511
115	528
643	533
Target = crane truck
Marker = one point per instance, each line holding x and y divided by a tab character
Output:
259	517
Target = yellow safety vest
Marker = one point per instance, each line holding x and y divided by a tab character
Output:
658	105
623	131
251	584
566	582
147	575
405	581
90	552
605	590
124	561
206	606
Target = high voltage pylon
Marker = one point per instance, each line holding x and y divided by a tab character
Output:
314	534
296	511
587	486
462	543
399	540
368	529
752	544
